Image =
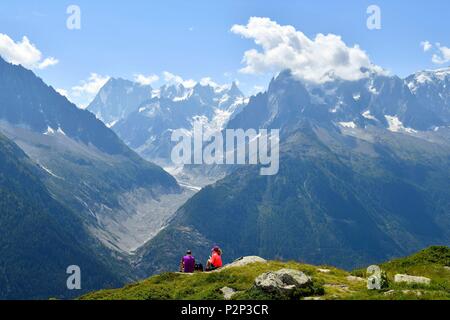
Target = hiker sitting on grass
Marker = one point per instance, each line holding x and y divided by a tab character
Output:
188	263
215	261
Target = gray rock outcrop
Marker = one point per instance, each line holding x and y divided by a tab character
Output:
282	282
411	279
245	261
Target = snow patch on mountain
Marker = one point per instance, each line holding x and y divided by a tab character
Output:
112	123
50	172
368	115
428	77
395	125
349	124
373	90
356	96
49	131
61	131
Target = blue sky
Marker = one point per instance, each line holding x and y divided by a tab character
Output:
193	39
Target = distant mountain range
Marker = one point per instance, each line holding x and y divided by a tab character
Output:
417	103
364	176
147	125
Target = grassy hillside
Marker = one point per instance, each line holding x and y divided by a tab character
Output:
331	283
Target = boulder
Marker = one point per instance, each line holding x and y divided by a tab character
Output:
324	270
340	287
312	298
408	292
411	279
228	293
416	292
243	261
389	293
282	282
354	279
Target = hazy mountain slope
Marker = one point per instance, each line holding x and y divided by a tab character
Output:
41	238
27	101
88	167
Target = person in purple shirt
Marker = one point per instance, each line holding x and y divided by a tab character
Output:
188	263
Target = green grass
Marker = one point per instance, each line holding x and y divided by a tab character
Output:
334	285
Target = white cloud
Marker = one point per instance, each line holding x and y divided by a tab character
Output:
257	89
442	56
426	45
208	81
145	80
441	53
23	52
171	78
317	60
47	63
63	92
91	86
84	93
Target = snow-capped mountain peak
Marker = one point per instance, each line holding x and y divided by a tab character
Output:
117	99
425	77
384	101
176	106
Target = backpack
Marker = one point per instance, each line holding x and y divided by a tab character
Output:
199	267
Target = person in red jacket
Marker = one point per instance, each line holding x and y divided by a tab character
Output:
215	261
